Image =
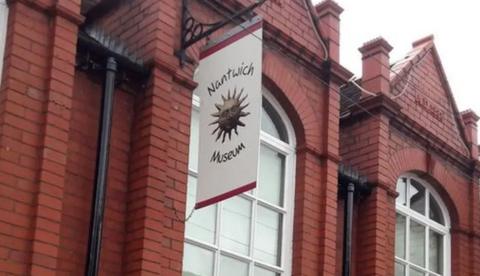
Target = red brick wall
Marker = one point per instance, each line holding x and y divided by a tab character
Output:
82	148
48	132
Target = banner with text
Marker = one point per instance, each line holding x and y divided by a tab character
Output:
229	85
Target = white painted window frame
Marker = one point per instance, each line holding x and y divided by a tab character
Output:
428	223
3	32
288	149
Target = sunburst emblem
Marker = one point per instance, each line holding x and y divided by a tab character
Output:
229	114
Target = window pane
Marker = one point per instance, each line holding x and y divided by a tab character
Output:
417	197
268	236
435	213
263	272
436	252
202	223
399	269
272	123
414	272
268	126
232	267
417	243
194	135
235	233
400	235
192	266
402	191
270	186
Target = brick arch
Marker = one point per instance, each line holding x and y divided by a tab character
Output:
417	161
283	83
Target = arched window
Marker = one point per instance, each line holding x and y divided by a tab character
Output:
249	234
422	238
3	31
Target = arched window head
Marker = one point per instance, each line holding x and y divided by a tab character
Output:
250	234
422	237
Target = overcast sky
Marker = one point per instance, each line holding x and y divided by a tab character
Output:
453	23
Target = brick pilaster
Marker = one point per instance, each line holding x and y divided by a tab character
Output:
36	88
53	150
147	180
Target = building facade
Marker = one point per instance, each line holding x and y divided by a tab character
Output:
398	126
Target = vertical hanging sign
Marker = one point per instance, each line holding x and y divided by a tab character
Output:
230	84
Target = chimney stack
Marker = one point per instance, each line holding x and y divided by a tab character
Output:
329	23
376	65
470	121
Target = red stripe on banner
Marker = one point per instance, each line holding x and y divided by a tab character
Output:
226	195
230	40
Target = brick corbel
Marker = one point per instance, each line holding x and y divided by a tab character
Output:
52	10
60	10
177	74
384	186
378	104
465	231
305	148
339	74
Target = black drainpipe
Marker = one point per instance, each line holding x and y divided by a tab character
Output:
351	184
101	171
347	229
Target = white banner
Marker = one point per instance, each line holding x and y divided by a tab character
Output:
229	84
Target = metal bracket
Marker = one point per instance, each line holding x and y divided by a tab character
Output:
193	30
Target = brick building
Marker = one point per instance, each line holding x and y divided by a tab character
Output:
398	126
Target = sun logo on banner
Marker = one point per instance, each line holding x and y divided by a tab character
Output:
229	114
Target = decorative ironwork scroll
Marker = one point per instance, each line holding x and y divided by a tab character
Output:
194	30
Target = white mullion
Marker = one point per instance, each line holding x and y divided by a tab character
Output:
247	196
270	267
421	219
275	143
417	267
235	255
285	219
407	232
407	246
282	236
427	248
407	191
441	229
252	236
271	206
446	254
400	260
216	259
201	244
427	230
433	273
192	172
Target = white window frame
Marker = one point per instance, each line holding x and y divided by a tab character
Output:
424	220
3	32
289	150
